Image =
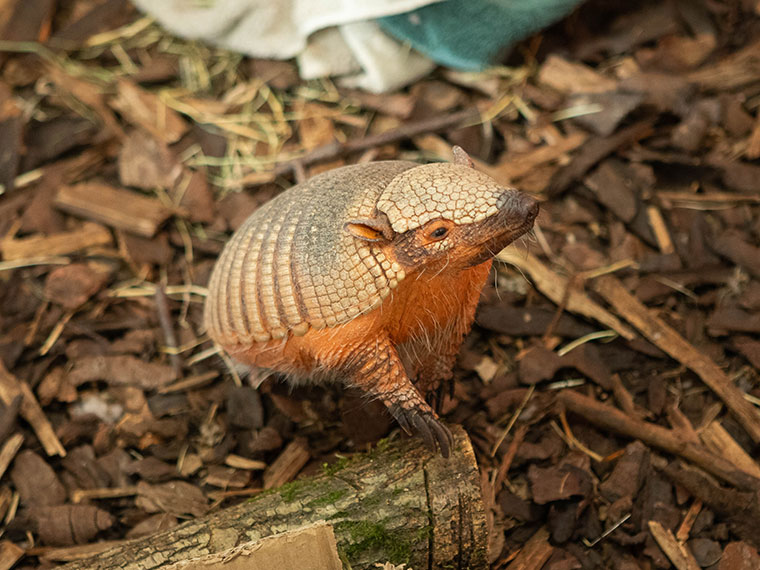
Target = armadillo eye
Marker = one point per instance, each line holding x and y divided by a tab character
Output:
436	230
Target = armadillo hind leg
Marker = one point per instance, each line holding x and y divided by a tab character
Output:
433	369
434	378
381	374
433	359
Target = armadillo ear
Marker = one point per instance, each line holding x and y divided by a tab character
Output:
371	229
461	157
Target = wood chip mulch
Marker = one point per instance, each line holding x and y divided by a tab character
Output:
610	387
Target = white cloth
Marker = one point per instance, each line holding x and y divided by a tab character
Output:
282	29
326	54
386	63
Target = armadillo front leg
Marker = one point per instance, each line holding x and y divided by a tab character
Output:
379	372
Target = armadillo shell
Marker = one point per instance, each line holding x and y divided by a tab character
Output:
292	266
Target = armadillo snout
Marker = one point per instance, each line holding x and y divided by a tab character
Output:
518	206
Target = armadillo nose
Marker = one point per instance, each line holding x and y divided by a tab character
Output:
521	205
531	207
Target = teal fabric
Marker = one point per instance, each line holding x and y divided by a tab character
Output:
472	34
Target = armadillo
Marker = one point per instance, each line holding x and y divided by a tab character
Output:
370	274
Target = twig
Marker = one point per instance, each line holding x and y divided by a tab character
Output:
741	509
164	318
8	415
561	306
405	131
624	398
38	249
660	230
509	456
717	439
79	495
669	341
594	150
612	419
10	388
688	521
9	450
191	382
513	419
56	333
555	287
676	552
569	438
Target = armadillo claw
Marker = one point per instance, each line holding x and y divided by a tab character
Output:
435	397
426	426
403	422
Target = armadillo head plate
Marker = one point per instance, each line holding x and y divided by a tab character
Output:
441	190
451	211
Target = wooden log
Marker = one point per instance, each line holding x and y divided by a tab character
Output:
399	503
